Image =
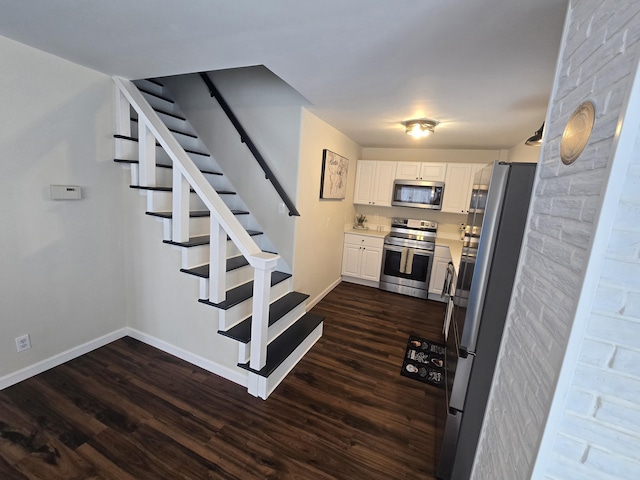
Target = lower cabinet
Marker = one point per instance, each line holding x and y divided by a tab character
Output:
441	259
362	259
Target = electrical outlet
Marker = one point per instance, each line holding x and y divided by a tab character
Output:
23	343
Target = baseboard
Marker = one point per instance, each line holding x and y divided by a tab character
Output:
321	295
59	359
361	281
210	366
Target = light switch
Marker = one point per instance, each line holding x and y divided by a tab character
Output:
66	192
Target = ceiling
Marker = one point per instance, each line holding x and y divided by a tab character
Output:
483	69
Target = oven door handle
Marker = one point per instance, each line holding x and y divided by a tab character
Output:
416	251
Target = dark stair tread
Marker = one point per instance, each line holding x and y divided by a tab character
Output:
162	165
169	114
125	137
157	95
243	292
171	129
202	271
154	81
278	309
155	189
193	213
204	240
283	346
195	152
188	150
170	189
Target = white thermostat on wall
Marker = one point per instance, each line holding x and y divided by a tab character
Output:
66	192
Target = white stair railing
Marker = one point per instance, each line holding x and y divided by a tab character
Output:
186	175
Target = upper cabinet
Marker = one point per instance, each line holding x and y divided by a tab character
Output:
427	171
458	184
374	182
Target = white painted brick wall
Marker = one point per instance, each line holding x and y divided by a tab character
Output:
599	434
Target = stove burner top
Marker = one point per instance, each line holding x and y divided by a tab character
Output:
419	234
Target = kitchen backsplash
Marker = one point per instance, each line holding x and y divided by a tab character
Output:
379	218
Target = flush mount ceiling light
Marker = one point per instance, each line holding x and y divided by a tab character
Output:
536	139
420	128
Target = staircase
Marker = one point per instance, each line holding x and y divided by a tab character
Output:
247	287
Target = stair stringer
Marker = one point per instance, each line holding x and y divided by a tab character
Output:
264	386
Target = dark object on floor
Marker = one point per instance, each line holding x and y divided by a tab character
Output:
424	361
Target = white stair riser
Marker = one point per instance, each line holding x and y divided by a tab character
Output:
274	331
197	226
228	318
161	104
134	172
233	279
150	86
199	255
263	387
175	123
161	201
128	150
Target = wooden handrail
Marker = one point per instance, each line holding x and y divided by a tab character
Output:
244	138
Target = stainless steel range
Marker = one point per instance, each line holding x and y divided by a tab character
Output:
407	257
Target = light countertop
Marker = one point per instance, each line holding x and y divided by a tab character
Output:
455	245
370	232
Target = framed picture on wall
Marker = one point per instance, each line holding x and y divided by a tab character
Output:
333	183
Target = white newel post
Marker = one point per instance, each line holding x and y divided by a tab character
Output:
217	261
260	317
179	207
146	155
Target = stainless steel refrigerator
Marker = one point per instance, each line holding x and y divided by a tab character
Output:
492	241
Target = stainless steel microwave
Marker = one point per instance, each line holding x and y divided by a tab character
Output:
417	194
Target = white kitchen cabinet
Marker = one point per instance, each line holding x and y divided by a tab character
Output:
362	258
374	182
441	259
458	185
427	171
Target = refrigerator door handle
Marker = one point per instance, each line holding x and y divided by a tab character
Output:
460	383
447	319
448	280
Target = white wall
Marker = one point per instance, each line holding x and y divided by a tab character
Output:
597	58
269	110
61	262
524	153
320	228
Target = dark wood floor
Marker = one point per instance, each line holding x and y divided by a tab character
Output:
129	411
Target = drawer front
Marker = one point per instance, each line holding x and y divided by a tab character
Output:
363	240
442	251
